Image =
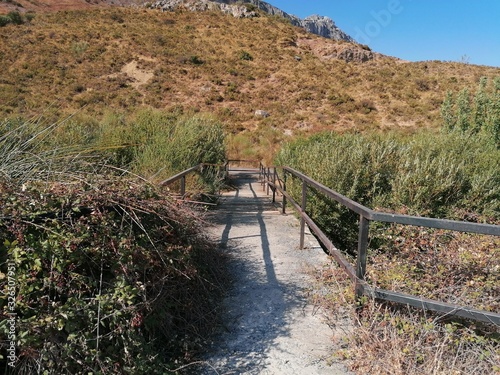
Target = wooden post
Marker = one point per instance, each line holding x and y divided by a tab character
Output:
364	230
274	182
283	209
303	211
268	177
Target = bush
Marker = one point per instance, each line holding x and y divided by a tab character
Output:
473	114
110	278
432	175
160	144
4	20
111	275
244	55
151	143
15	18
196	60
29	151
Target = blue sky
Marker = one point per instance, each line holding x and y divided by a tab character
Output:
415	30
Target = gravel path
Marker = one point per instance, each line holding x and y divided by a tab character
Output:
270	328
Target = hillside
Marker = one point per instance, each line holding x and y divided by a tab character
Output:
118	59
58	5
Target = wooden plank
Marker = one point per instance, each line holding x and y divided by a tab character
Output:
459	226
180	175
349	203
432	305
364	232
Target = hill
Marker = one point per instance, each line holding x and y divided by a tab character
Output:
58	5
320	25
119	59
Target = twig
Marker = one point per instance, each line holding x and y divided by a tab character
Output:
195	363
99	303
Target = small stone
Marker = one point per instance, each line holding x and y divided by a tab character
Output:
261	113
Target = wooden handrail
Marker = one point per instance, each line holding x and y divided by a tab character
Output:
367	215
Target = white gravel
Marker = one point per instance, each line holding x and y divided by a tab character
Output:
270	327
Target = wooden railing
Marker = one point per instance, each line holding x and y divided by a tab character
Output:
276	183
223	169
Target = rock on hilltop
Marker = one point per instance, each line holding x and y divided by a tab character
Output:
315	24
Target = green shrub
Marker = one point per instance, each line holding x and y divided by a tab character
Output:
112	277
244	55
196	60
476	113
79	48
160	144
28	151
15	18
30	16
355	166
4	20
428	174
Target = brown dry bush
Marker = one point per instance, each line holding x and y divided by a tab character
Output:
112	277
386	339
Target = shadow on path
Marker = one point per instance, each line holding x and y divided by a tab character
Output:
257	306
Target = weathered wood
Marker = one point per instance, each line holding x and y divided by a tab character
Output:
364	231
367	215
436	306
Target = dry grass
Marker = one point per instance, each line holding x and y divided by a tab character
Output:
58	5
390	340
461	269
199	61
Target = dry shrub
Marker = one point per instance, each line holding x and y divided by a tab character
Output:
457	268
403	341
398	340
111	277
111	273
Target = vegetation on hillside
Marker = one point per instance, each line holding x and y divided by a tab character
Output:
108	272
440	175
122	59
153	144
112	274
479	113
15	18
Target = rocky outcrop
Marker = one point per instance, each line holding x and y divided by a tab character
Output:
262	113
319	25
354	54
324	26
343	51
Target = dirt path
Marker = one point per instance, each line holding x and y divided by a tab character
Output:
269	326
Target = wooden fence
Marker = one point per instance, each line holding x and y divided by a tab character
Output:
274	180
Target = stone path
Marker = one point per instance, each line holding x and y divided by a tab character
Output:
270	328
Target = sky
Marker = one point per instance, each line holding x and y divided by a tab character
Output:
414	30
